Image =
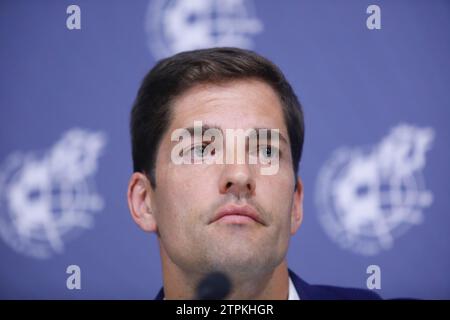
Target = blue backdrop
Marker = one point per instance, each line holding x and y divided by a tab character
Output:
375	86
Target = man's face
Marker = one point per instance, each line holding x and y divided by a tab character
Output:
188	197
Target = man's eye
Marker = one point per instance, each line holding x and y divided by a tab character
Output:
200	150
268	151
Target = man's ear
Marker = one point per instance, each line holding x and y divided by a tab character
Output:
139	202
297	207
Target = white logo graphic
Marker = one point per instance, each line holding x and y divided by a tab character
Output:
179	25
367	197
45	199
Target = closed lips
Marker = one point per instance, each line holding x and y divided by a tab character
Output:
233	210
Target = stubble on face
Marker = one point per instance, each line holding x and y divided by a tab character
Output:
188	196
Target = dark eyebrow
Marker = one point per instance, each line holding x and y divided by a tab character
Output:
205	127
282	138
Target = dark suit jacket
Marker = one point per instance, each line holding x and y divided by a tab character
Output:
320	292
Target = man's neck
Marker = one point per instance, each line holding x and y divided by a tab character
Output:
269	286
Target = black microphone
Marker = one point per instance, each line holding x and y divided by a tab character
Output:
214	286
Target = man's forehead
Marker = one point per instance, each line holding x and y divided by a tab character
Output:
240	104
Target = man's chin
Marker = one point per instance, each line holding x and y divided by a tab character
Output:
239	258
237	268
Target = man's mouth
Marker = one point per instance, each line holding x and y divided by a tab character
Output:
234	214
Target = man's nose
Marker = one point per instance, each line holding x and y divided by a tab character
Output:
237	179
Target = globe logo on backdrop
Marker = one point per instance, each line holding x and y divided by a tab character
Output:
46	198
180	25
367	197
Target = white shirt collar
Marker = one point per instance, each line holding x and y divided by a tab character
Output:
293	294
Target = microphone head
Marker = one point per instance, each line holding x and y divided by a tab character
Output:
214	286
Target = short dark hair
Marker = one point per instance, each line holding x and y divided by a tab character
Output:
170	77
